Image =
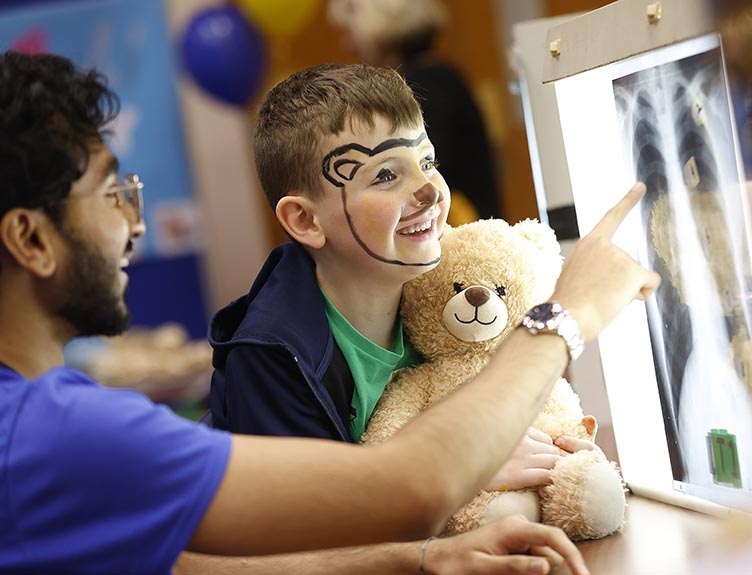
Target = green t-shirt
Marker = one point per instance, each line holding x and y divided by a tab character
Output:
370	364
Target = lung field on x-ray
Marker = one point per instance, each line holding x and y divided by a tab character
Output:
671	122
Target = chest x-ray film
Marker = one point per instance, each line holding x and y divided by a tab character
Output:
678	369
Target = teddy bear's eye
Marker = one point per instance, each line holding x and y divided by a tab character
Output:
501	291
458	286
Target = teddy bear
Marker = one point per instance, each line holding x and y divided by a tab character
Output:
489	275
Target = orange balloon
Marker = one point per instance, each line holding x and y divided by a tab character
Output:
282	18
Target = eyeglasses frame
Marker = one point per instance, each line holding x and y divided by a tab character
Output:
129	193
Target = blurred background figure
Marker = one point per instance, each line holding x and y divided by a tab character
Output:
735	26
400	34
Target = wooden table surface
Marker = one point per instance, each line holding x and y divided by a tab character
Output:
662	539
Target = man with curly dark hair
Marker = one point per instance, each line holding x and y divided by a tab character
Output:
49	138
100	480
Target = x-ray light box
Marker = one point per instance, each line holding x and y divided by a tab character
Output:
678	369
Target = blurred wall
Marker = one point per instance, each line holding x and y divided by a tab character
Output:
233	211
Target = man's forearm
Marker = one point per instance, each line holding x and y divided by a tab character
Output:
391	558
488	550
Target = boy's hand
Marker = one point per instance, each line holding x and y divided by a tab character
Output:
573	444
599	279
529	465
510	546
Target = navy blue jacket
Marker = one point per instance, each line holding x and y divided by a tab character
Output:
277	368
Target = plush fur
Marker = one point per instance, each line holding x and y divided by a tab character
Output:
492	273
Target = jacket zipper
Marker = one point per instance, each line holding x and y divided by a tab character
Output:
335	420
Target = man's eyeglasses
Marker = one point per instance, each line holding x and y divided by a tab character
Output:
128	197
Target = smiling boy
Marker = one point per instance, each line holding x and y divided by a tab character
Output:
344	159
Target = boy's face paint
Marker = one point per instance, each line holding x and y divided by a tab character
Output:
392	201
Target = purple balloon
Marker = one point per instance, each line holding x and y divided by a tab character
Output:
224	54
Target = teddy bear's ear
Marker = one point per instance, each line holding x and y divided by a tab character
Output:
540	234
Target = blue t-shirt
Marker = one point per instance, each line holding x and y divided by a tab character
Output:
98	480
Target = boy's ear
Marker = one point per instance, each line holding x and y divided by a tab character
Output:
297	215
26	239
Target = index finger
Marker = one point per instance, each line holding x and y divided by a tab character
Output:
538	435
529	535
615	216
574	444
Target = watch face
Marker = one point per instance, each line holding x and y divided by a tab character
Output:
550	317
544	313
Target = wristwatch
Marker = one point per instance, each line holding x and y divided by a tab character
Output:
551	317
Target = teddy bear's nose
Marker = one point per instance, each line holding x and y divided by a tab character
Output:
476	296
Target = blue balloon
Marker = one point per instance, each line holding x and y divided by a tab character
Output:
224	54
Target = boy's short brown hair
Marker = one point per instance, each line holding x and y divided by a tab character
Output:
316	102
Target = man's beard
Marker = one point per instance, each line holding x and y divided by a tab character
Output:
91	303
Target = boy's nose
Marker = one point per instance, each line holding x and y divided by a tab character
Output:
428	194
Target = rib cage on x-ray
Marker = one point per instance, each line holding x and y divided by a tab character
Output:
690	145
672	346
666	128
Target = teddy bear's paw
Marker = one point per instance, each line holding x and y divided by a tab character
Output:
586	497
507	503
